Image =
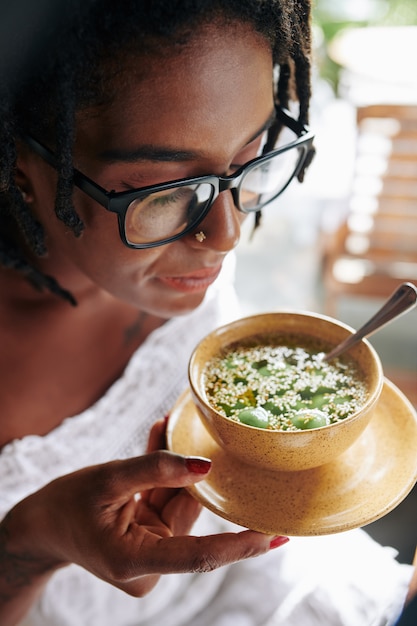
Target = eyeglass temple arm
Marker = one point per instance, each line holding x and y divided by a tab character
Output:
80	180
299	129
285	116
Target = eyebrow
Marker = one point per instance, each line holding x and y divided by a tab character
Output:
161	154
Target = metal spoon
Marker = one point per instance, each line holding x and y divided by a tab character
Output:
403	299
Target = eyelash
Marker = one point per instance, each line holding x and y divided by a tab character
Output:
170	197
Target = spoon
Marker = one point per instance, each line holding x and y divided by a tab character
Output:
403	299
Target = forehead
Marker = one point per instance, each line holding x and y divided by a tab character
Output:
218	85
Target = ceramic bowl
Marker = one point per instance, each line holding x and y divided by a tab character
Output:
277	449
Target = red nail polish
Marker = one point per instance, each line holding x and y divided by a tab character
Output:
198	465
278	541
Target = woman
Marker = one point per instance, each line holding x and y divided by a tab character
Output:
100	311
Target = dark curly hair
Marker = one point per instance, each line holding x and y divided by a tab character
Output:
76	50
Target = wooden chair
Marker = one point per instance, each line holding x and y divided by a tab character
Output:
375	248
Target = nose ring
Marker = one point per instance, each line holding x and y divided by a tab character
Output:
200	236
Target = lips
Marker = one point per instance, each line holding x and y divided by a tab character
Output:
196	281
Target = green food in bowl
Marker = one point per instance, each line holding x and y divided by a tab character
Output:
281	384
254	417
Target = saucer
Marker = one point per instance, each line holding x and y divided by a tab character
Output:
365	483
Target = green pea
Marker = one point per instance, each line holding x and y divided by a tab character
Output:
271	407
298	405
254	417
306	393
310	418
342	399
318	401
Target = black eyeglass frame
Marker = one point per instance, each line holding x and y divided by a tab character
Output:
119	201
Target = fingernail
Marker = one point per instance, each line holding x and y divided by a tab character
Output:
198	465
278	541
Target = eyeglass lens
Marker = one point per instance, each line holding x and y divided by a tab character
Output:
263	182
167	213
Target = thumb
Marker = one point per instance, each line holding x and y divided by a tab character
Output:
156	469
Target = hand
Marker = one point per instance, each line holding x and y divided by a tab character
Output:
96	518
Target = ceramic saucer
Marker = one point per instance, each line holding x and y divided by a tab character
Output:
366	482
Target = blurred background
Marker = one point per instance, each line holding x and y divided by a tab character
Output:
344	239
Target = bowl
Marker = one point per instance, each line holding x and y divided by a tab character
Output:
291	449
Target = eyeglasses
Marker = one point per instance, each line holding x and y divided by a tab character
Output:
159	214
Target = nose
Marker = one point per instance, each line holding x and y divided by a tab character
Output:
221	226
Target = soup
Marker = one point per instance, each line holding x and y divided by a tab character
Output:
283	384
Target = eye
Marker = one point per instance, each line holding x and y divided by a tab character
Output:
166	213
173	197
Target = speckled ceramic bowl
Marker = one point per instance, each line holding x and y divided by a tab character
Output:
277	449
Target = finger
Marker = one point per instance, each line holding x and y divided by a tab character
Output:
177	514
181	512
157	435
203	554
156	441
197	554
158	498
121	479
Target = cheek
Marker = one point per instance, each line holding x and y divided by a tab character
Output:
100	225
100	245
107	263
99	252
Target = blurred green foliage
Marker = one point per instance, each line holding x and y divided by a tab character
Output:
332	16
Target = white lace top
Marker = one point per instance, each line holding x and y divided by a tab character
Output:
357	583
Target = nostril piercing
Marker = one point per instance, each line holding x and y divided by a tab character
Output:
200	236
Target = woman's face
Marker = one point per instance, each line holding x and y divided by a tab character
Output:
190	113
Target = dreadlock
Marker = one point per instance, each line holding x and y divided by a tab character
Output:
71	67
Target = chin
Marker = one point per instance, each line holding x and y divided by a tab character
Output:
167	308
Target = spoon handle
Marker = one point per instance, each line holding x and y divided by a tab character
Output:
403	299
